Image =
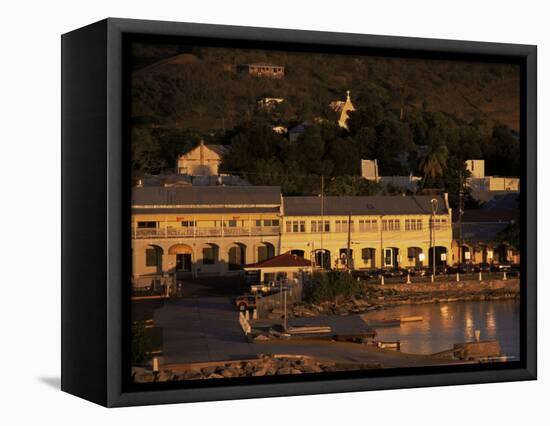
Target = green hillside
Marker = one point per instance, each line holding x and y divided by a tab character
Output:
415	116
203	91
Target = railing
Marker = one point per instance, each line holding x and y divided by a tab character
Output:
190	232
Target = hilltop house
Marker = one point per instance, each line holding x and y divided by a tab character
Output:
204	160
262	69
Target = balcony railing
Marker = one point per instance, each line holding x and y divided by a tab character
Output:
190	232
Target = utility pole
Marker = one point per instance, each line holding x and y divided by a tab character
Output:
322	220
434	210
381	242
460	213
285	321
348	249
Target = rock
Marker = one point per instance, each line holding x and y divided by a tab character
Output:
165	376
295	371
214	376
283	371
209	370
144	377
261	338
190	375
312	369
259	373
231	372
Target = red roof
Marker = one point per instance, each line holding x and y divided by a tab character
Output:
284	260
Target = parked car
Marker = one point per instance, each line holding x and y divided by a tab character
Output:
263	287
246	301
466	268
484	267
439	270
394	272
501	267
365	274
417	272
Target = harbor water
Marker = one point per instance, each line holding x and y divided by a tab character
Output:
445	324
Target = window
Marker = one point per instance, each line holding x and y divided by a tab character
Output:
390	225
438	224
342	225
258	223
188	223
296	226
152	257
210	255
268	222
230	223
413	224
367	254
366	225
147	225
317	226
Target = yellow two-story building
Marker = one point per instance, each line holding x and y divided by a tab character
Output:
211	230
217	230
368	232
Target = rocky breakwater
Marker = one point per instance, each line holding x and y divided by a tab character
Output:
374	297
264	365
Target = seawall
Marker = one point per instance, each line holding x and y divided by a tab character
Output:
468	286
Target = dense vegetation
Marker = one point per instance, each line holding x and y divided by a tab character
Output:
329	286
414	116
141	343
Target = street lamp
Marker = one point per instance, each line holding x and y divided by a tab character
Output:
434	203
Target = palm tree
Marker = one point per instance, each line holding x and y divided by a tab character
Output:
434	162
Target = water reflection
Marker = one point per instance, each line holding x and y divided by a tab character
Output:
445	325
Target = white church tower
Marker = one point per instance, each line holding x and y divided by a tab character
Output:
343	107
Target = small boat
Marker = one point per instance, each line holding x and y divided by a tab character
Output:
389	345
313	329
385	323
412	318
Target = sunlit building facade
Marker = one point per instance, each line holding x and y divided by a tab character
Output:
216	231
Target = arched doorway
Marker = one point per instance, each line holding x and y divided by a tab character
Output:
265	251
346	258
299	253
368	254
184	257
465	254
210	254
237	256
391	257
501	253
415	256
153	258
440	256
322	258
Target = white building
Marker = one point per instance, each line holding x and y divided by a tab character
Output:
343	108
369	171
485	188
204	160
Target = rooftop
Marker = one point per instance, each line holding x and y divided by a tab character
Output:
285	260
367	205
219	196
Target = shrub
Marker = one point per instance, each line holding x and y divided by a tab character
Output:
325	286
141	343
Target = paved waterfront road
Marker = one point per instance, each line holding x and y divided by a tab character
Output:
202	329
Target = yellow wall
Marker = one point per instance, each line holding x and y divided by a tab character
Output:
377	239
169	232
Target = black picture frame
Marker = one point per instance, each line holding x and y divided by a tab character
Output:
95	193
